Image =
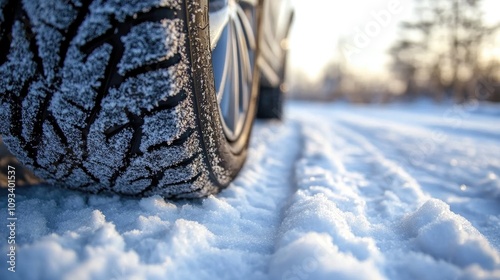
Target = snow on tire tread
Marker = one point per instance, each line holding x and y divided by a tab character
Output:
86	105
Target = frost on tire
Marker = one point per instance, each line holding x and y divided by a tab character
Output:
98	96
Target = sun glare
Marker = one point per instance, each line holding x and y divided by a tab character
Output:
357	33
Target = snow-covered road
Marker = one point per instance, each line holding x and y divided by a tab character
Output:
333	192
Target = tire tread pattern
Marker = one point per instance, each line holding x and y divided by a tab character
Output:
82	116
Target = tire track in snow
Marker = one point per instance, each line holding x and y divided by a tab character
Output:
384	179
459	170
459	243
262	190
357	215
324	233
438	153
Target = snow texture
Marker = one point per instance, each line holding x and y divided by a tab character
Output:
150	42
333	192
103	12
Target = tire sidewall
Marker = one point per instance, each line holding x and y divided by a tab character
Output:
224	158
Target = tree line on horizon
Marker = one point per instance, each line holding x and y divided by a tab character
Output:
441	54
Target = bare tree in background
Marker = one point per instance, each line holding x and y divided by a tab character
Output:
440	51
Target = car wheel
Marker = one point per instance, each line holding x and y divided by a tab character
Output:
131	97
272	94
271	101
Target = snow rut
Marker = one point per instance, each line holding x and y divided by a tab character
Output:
358	214
458	169
324	231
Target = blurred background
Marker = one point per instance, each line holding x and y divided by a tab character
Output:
380	51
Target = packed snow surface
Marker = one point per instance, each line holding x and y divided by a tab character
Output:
332	192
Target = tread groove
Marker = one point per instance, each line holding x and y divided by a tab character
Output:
41	116
153	66
189	181
46	23
112	131
88	173
159	175
185	162
72	31
73	5
9	12
17	113
177	142
76	105
168	104
136	123
154	15
97	42
57	129
33	46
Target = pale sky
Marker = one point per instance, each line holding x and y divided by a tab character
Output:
368	27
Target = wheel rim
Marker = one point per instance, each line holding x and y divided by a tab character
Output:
232	34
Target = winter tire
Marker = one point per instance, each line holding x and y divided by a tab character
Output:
121	96
270	104
272	91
